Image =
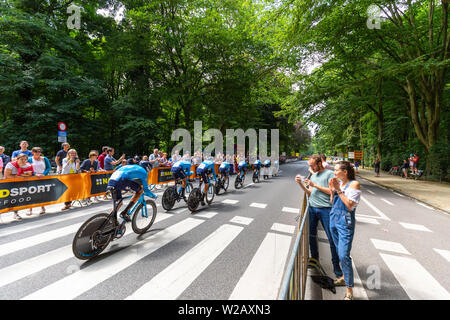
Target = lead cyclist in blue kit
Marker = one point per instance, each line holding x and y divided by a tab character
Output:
133	177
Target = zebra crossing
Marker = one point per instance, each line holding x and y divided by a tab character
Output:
74	278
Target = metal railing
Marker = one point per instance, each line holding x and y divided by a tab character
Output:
294	282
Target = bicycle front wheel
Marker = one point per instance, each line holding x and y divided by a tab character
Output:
210	194
143	217
169	198
93	236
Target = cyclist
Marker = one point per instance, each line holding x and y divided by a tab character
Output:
224	168
257	165
204	169
133	177
180	170
242	167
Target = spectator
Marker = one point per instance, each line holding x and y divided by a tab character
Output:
23	149
134	160
70	164
122	164
405	169
62	154
411	162
18	168
325	164
356	166
164	161
110	162
89	166
176	156
415	163
319	208
41	167
5	160
345	196
377	164
101	158
154	158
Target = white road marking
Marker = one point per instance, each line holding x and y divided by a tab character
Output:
444	253
79	282
262	278
290	210
258	205
388	202
248	185
418	283
174	279
241	220
381	215
400	195
389	246
424	205
229	201
366	220
370	191
283	228
49	221
28	267
205	214
413	226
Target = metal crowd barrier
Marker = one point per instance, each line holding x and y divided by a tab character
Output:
294	282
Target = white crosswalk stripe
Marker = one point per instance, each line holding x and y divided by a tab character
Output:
79	282
27	267
389	246
173	280
230	201
418	283
412	226
258	205
444	253
290	210
262	278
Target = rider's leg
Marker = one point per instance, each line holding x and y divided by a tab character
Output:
134	199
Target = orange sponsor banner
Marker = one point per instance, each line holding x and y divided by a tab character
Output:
25	193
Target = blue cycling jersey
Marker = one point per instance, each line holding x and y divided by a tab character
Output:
131	173
208	164
242	164
185	165
224	167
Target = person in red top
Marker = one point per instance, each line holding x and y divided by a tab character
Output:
415	161
101	158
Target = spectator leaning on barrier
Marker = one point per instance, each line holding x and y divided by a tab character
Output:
415	163
345	196
154	158
319	208
70	164
23	149
41	167
5	159
110	162
18	168
101	158
90	165
60	156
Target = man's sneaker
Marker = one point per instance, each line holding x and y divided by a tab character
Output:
17	217
203	200
125	216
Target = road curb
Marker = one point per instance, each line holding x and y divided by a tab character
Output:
407	195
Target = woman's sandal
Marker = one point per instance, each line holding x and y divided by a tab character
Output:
348	296
339	282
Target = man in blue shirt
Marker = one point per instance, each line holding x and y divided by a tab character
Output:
23	149
5	159
204	169
133	177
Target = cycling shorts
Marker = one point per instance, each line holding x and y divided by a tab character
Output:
203	172
123	184
242	168
178	173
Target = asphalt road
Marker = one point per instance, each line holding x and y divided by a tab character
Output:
236	248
